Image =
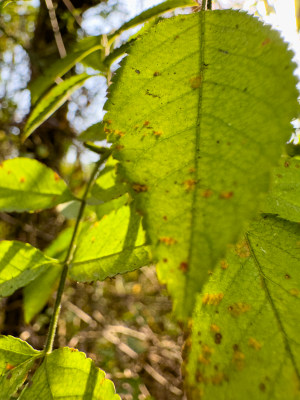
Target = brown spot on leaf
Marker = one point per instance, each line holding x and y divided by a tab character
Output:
119	147
207	193
218	338
165	260
195	82
212	298
238	309
266	41
287	276
137	71
224	264
286	164
146	123
189	184
167	240
156	73
137	187
262	387
184	266
226	195
192	170
165	218
22	179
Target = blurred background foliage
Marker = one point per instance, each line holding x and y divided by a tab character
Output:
124	324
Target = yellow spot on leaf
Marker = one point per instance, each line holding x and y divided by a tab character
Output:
184	266
242	249
237	309
157	133
295	292
212	298
215	328
254	344
195	82
167	240
239	359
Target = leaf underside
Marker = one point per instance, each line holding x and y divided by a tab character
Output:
28	185
68	374
114	245
246	324
198	157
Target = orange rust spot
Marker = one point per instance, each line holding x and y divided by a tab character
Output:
1	165
242	249
215	328
73	350
56	177
266	41
224	264
9	367
207	193
22	179
239	359
238	309
295	292
203	360
165	260
254	344
107	130
218	378
184	266
207	351
119	147
146	123
167	240
226	195
157	133
189	184
119	133
137	187
192	170
195	82
212	298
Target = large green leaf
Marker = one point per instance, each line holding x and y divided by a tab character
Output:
20	263
16	359
28	185
197	131
83	48
114	245
284	197
68	374
52	100
245	341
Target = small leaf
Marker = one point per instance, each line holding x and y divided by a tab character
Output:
28	185
53	99
20	263
199	158
284	197
68	374
249	341
114	245
83	48
94	133
16	359
155	11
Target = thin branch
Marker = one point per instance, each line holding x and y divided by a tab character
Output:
57	35
72	10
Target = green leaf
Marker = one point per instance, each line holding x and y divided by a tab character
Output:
28	185
53	99
68	374
20	263
113	205
94	133
246	324
199	157
114	245
4	3
83	48
37	293
16	359
284	197
107	186
155	11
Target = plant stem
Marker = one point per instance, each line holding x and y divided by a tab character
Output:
208	6
69	257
